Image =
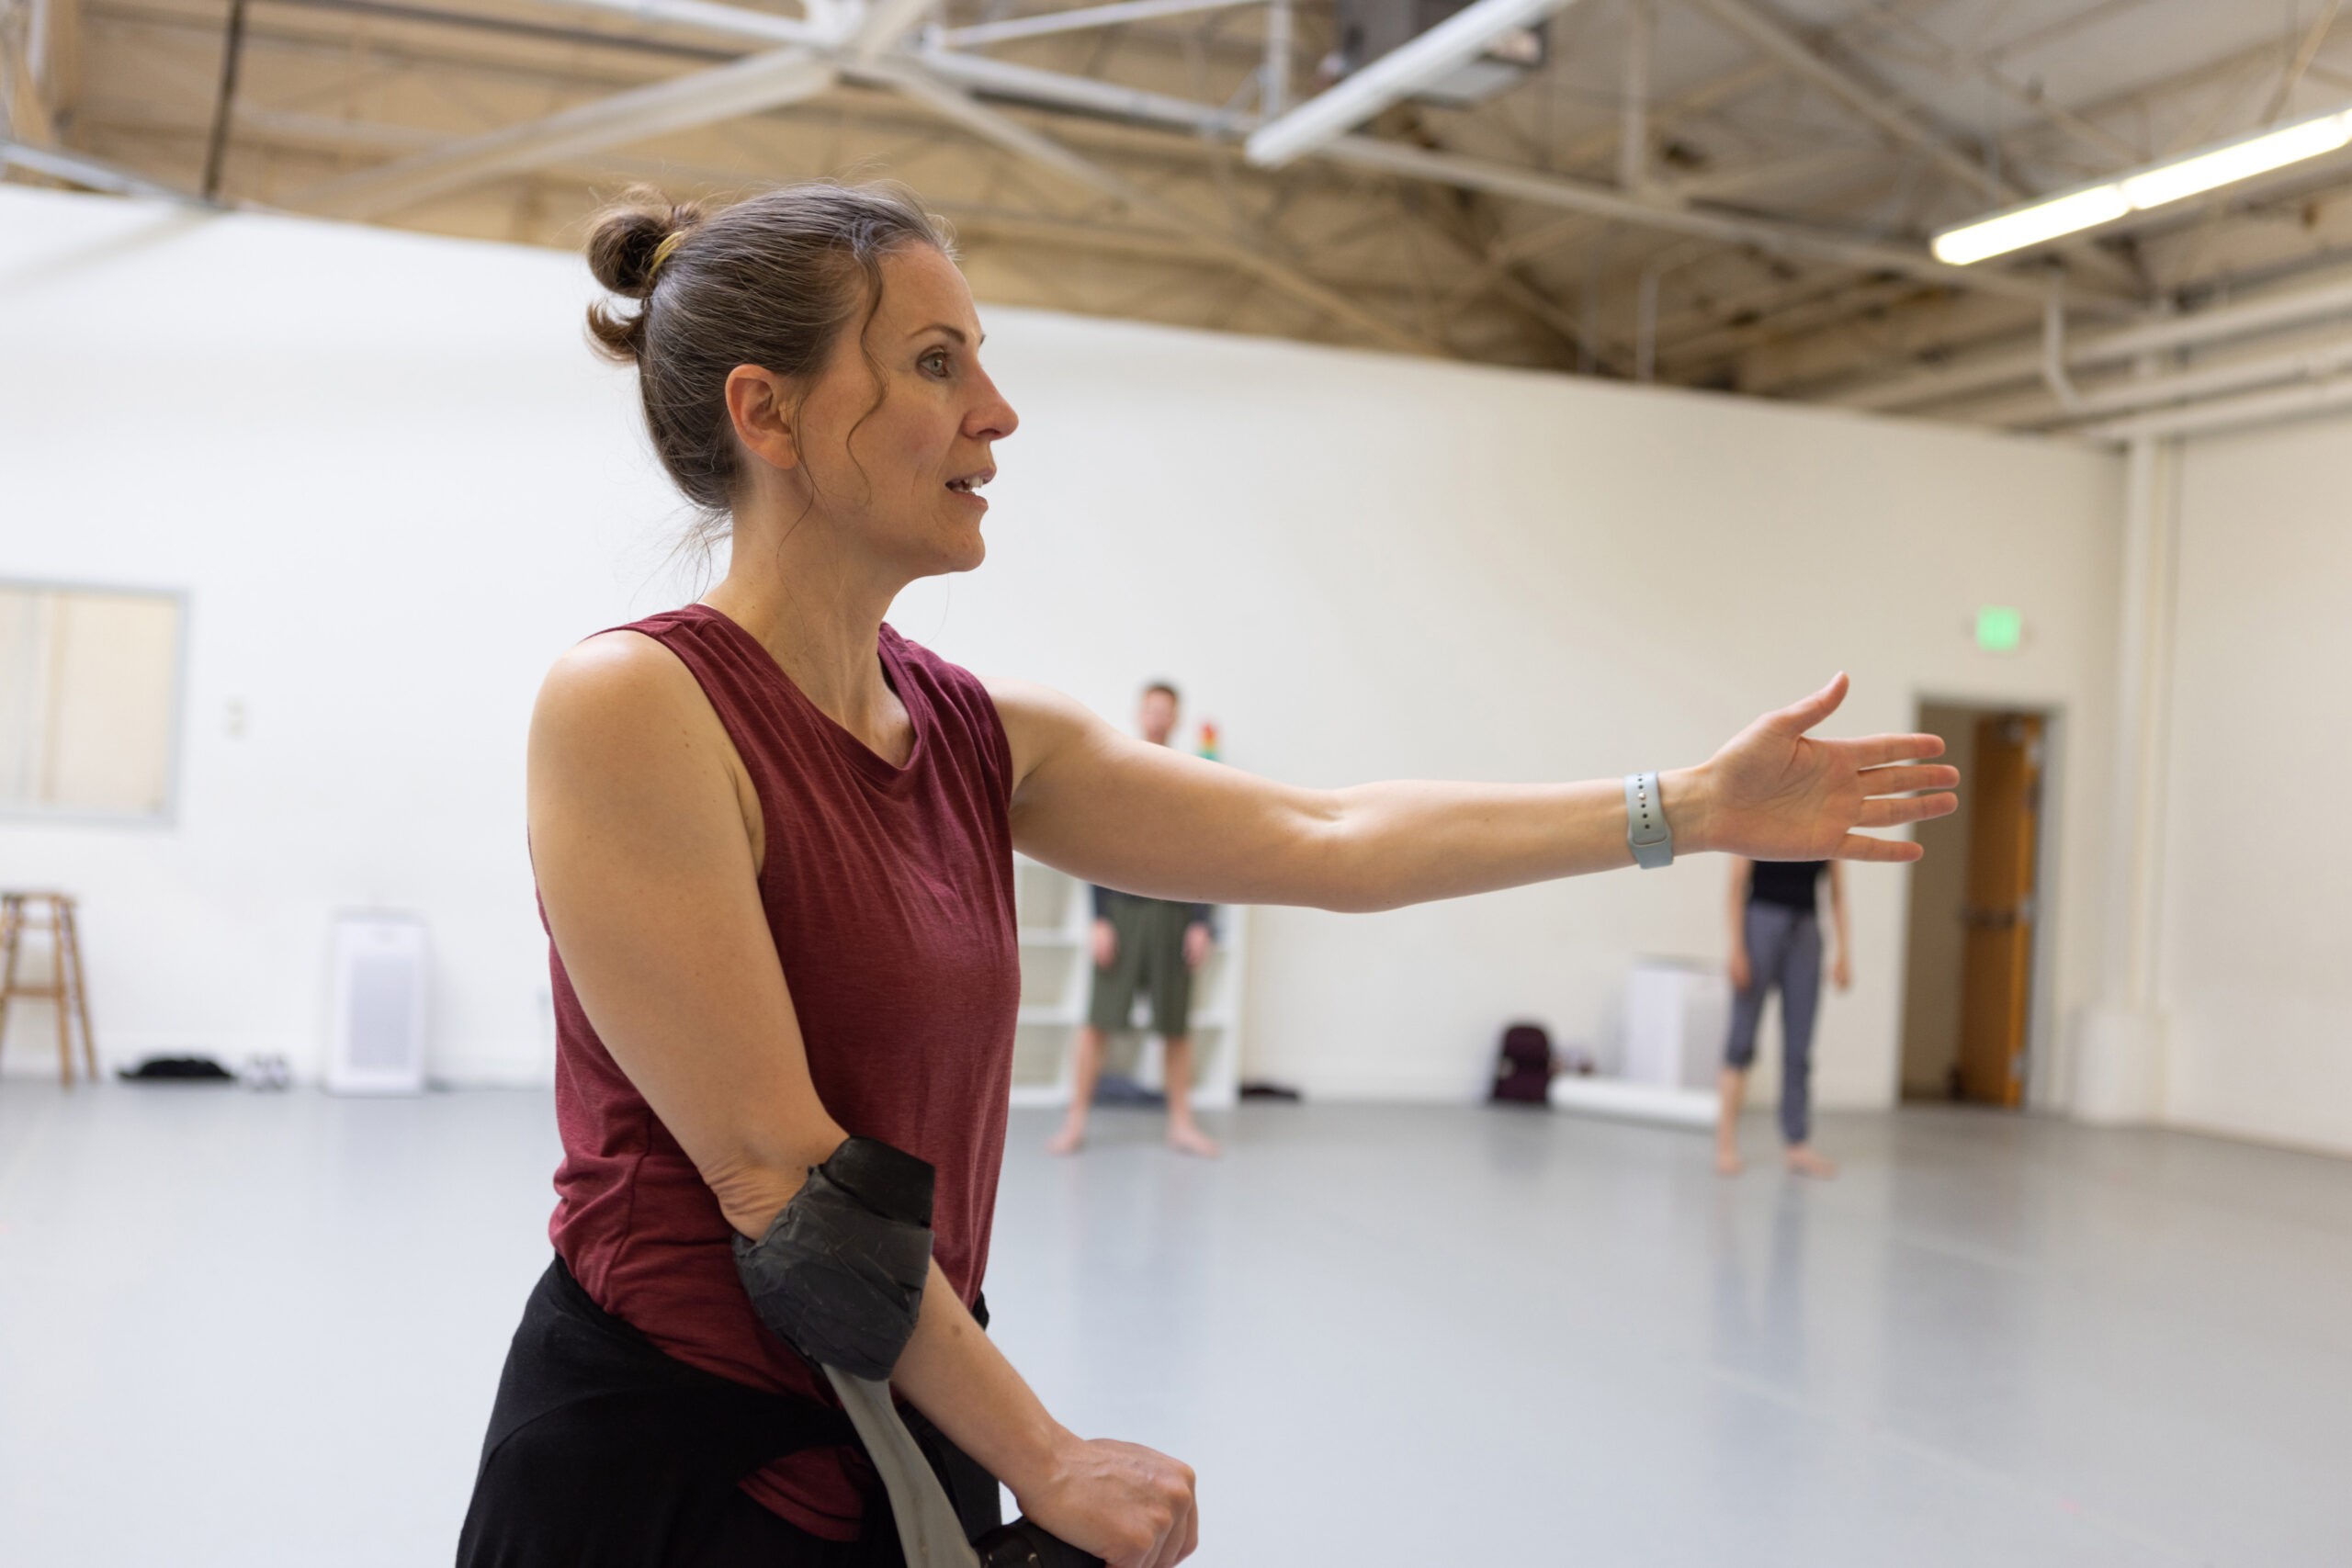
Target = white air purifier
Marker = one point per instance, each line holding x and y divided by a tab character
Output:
1676	1016
376	1037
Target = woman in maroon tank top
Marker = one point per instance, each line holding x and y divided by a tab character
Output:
773	846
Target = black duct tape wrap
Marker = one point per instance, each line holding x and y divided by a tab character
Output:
840	1271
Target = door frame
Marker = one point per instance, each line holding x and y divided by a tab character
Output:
2044	1087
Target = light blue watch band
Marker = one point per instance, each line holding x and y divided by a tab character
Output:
1645	828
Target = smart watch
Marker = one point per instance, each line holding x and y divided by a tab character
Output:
1645	828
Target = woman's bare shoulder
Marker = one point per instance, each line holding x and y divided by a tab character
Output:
1039	722
607	696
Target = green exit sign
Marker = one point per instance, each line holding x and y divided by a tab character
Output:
1999	628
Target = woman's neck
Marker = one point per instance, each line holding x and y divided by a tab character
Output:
819	614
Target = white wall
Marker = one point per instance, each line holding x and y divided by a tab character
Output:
395	485
2255	972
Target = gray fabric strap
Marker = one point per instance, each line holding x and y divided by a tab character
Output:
929	1531
1645	828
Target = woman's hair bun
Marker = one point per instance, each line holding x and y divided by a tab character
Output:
624	253
628	236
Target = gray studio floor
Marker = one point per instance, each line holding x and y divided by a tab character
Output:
261	1330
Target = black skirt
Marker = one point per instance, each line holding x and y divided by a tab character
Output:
604	1451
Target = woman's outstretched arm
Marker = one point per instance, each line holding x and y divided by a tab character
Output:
1112	809
645	841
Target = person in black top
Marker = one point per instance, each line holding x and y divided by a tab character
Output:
1776	942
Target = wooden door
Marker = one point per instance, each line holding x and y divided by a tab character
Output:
1997	971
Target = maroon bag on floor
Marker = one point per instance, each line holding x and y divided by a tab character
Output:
1523	1070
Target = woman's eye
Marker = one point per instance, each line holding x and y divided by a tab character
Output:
935	362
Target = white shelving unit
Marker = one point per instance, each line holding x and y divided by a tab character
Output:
1056	915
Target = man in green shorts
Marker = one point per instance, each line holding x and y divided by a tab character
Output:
1148	946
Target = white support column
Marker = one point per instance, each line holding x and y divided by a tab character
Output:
1273	89
2119	1067
1634	110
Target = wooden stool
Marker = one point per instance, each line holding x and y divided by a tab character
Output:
52	912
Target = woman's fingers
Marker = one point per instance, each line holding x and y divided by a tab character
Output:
1907	779
1176	1545
1877	750
1180	1542
1891	813
1804	714
1857	847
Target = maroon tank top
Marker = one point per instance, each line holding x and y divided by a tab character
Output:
890	893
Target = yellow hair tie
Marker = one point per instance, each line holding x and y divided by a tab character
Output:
662	253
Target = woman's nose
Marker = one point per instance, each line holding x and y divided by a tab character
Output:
992	419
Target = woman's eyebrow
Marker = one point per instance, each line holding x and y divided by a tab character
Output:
956	332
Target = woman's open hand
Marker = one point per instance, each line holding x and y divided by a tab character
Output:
1130	1506
1775	793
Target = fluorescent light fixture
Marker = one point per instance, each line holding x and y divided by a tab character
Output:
2238	161
2176	179
2023	226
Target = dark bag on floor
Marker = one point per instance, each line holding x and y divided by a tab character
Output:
1523	1069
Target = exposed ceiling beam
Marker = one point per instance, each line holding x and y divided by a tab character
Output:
882	24
1744	179
1031	84
514	148
1824	311
1087	95
2133	101
960	108
1886	111
1048	22
819	29
511	26
1395	76
1957	62
90	173
1714	223
754	83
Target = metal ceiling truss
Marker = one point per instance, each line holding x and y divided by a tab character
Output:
1721	192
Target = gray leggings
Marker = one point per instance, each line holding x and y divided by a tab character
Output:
1784	949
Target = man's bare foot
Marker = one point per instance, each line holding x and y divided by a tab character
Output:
1803	1161
1193	1141
1069	1141
1727	1161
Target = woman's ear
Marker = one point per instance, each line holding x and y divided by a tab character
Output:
760	404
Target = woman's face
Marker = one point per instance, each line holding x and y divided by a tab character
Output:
905	473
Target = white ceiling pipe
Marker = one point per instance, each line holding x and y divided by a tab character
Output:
1048	22
1987	371
2034	409
89	172
1054	89
1397	76
821	28
2229	413
1779	238
882	24
2313	363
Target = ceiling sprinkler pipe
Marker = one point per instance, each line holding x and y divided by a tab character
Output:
2053	352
